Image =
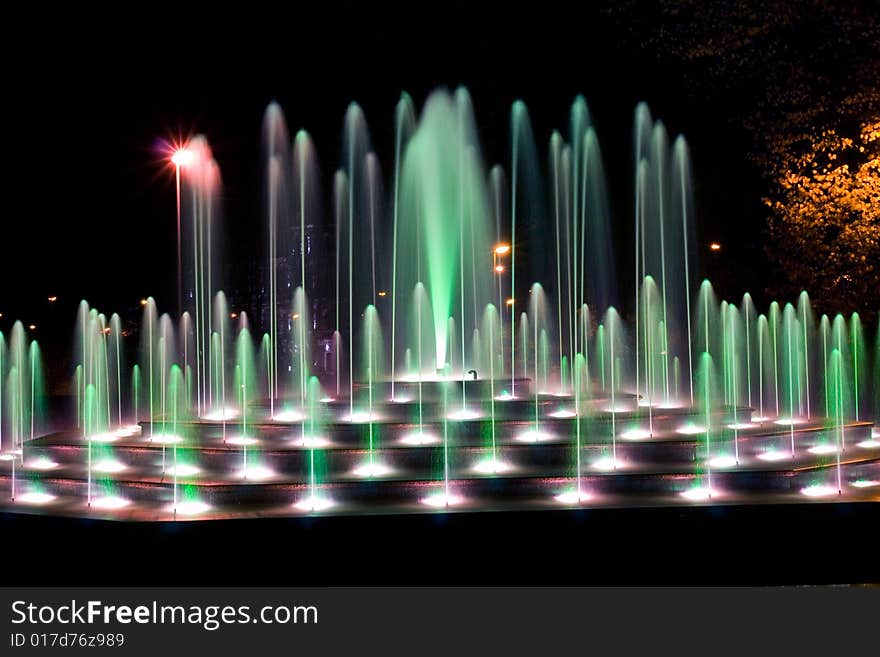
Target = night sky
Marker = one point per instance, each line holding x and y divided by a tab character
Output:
90	205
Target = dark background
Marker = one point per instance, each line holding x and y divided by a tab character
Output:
90	201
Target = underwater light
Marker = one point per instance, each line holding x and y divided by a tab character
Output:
573	497
41	463
533	436
360	417
464	414
635	434
871	443
419	438
774	455
562	413
109	466
220	414
255	473
442	500
183	470
788	421
6	457
819	490
690	429
165	439
110	503
823	449
504	396
190	508
739	426
312	442
369	470
103	437
242	440
36	498
606	463
865	483
314	503
699	493
492	466
725	461
288	416
327	400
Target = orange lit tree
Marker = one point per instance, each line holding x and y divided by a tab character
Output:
825	218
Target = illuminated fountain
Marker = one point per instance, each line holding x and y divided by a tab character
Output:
447	335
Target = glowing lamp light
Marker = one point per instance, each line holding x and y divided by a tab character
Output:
288	416
311	442
635	434
110	503
774	455
382	293
442	500
35	498
725	461
190	508
53	299
698	493
606	464
143	302
182	470
532	436
492	466
107	437
242	440
788	421
32	327
419	438
109	466
166	439
819	490
370	470
220	414
714	246
690	430
573	497
509	302
314	503
359	417
499	269
464	414
823	449
255	473
41	463
182	157
502	249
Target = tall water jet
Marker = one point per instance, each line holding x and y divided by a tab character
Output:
201	273
404	124
277	194
432	223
